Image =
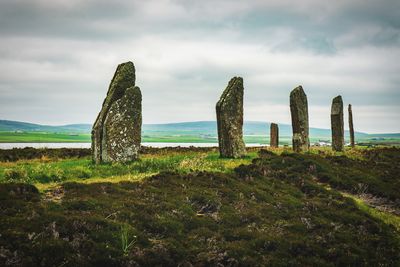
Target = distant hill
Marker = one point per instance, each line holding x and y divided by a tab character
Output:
203	128
11	126
210	128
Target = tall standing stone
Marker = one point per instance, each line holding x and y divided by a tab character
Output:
229	110
122	128
351	127
116	133
274	135
299	112
337	124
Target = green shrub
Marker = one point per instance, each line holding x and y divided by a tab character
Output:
15	175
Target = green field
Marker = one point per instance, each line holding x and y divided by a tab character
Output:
43	137
185	132
189	207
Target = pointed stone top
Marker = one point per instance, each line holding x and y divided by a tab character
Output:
337	105
297	90
130	63
125	71
235	84
236	79
337	99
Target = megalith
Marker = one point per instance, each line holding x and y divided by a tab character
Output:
274	135
229	110
337	124
351	127
299	113
116	133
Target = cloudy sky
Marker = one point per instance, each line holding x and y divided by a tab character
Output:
57	58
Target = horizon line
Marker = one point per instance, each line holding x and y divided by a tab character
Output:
246	121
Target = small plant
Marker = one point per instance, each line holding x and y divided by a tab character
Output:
45	173
81	172
15	175
126	243
361	188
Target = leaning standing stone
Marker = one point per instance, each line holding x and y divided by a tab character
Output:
351	127
337	124
274	135
299	112
229	110
121	116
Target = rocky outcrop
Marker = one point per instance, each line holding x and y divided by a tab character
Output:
351	127
229	110
274	135
299	113
337	124
116	133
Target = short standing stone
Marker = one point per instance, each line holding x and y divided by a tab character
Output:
274	135
351	127
122	128
299	113
230	120
121	118
337	124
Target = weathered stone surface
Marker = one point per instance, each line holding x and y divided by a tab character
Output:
274	135
299	112
351	127
230	120
118	97
337	124
122	128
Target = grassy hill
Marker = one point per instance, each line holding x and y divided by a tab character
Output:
188	128
12	126
188	207
185	132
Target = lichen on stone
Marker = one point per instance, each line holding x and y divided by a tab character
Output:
300	126
229	111
116	133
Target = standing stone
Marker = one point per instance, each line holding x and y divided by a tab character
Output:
351	127
230	120
116	133
337	124
122	128
274	135
299	112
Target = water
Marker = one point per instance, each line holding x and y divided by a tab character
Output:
87	145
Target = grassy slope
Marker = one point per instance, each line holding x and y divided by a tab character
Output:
273	210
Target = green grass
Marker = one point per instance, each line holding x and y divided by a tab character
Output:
386	217
175	208
47	171
42	137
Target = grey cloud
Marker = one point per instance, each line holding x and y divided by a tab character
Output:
57	57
